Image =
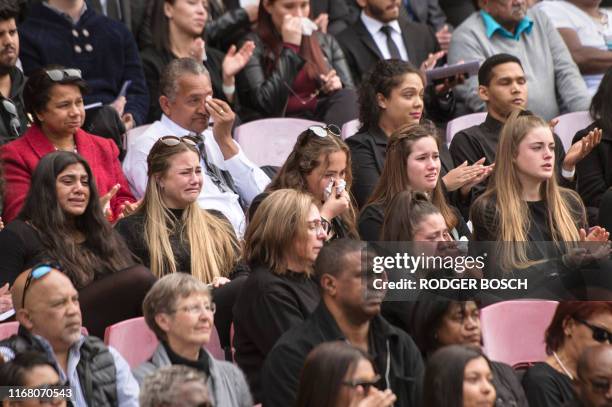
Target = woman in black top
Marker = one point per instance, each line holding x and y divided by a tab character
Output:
295	70
435	323
594	172
525	204
394	95
62	219
177	27
412	163
319	163
282	242
575	326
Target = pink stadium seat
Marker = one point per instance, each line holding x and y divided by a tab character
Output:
350	129
460	123
269	141
133	340
569	124
8	329
136	342
513	331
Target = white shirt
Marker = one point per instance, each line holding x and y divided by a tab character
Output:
591	34
380	38
250	180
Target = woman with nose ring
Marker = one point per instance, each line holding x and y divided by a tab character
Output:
54	99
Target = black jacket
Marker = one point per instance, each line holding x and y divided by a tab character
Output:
10	128
594	172
362	53
337	10
269	305
396	358
266	95
368	152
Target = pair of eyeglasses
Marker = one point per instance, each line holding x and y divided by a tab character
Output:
319	225
321	131
38	271
600	334
15	124
58	75
198	309
365	384
172	141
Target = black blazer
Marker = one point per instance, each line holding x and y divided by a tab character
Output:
362	53
428	12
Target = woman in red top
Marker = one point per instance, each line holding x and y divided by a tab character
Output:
53	98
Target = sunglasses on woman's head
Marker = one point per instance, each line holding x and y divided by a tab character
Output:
38	271
600	334
57	75
172	141
365	384
321	131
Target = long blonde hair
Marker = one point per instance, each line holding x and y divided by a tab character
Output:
512	211
278	224
213	247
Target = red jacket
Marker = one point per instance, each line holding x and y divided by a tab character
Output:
21	156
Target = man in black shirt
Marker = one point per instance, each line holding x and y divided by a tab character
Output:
594	378
346	313
12	117
503	87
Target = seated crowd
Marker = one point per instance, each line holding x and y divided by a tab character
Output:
124	196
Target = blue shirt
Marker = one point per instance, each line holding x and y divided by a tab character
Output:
492	26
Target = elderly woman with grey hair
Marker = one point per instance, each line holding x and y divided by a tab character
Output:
180	311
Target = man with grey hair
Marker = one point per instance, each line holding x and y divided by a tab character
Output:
175	386
231	180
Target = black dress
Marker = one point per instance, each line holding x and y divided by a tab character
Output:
546	387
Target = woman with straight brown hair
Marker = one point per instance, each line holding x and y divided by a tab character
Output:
412	163
282	242
523	201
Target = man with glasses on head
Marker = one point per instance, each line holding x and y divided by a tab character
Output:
231	180
179	309
12	115
47	308
348	312
593	383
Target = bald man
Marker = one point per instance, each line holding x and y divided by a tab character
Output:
594	382
49	315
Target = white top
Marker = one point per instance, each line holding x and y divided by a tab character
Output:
380	38
591	34
250	180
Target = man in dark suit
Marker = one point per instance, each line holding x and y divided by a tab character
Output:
380	33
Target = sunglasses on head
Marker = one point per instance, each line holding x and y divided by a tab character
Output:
172	141
600	334
58	75
321	131
38	271
365	384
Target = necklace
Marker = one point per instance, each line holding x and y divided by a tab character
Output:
571	376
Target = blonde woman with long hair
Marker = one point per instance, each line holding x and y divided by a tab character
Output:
282	242
170	232
524	203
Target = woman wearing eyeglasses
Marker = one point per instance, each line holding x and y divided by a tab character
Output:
575	326
320	166
53	97
391	96
459	375
282	242
177	27
180	311
413	164
296	70
337	374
